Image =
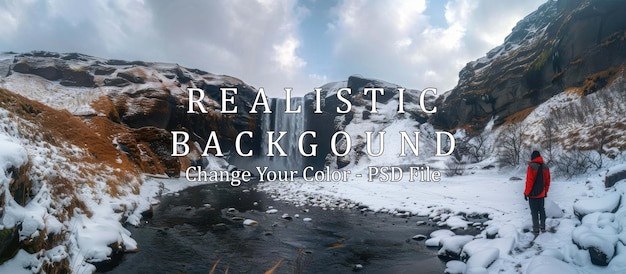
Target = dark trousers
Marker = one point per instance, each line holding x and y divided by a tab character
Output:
538	212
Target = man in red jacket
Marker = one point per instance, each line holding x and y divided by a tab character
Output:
537	186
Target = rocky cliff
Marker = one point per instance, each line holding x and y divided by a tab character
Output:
133	104
575	45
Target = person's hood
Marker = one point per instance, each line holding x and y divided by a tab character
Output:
538	160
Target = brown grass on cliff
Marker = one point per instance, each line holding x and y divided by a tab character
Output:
137	141
61	128
599	80
518	116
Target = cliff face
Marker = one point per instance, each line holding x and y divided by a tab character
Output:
564	44
133	104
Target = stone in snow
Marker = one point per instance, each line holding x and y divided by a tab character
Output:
483	258
503	245
599	241
442	233
419	237
452	246
271	211
432	242
553	210
250	222
606	203
455	267
437	235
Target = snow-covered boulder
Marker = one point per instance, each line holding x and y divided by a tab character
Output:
455	222
545	264
503	245
451	247
437	235
606	203
483	258
455	267
599	239
553	210
614	175
491	232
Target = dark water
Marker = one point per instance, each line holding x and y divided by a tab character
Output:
194	232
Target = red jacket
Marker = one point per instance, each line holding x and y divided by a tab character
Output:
531	174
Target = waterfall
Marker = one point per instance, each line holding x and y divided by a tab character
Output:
293	124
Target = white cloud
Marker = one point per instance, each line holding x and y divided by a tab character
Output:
285	56
255	41
394	41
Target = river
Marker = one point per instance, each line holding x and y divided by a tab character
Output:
200	230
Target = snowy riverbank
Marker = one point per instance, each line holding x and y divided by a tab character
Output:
498	194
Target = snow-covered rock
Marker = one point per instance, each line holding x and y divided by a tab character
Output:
483	258
552	209
606	203
614	175
599	235
451	247
503	245
250	222
437	235
455	267
419	237
455	222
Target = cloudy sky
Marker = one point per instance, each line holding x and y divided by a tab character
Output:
274	44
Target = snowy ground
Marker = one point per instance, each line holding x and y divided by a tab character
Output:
493	192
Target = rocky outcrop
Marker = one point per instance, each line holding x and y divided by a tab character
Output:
614	176
566	43
52	67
